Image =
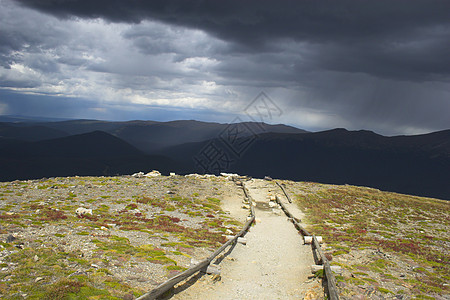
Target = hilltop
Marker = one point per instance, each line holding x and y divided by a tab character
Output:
145	230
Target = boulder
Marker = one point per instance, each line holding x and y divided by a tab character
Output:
153	173
138	175
81	211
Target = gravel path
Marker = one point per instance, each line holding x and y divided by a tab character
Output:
274	264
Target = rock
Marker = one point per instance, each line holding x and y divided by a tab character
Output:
153	173
172	174
81	211
36	258
229	176
272	204
10	238
77	273
95	266
20	246
216	277
170	192
138	175
38	279
228	231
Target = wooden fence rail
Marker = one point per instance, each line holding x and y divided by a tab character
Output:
297	225
284	191
201	266
319	256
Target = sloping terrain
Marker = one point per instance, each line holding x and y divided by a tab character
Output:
416	165
141	232
29	133
389	245
151	136
95	153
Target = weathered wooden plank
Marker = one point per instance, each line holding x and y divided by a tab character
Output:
164	287
316	246
297	225
331	282
284	191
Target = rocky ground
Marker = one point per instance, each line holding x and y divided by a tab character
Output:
140	232
389	245
132	233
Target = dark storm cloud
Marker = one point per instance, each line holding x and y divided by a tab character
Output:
379	65
404	39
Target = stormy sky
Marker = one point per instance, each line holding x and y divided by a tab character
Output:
379	65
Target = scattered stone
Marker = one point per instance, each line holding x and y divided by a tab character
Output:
10	238
78	273
38	279
81	211
36	258
138	175
153	173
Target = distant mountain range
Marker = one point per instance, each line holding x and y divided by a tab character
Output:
418	164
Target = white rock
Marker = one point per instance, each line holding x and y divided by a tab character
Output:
81	211
153	173
138	175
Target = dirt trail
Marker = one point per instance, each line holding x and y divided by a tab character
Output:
274	264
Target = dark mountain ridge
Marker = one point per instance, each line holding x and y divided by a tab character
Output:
416	165
150	136
95	153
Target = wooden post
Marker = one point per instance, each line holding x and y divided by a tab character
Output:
335	269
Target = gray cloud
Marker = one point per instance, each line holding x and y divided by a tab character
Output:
377	65
400	39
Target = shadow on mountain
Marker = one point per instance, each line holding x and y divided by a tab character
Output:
96	153
417	165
